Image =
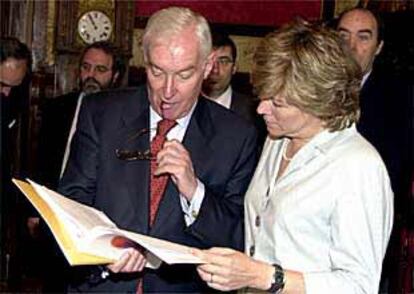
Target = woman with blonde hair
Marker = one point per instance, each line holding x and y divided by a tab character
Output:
319	209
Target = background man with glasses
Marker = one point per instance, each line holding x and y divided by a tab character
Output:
207	159
217	87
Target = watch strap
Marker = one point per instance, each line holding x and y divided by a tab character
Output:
278	281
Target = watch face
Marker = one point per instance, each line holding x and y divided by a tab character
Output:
94	26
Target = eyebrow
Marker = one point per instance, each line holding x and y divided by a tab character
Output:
191	67
368	31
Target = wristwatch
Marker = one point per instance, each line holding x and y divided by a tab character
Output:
278	281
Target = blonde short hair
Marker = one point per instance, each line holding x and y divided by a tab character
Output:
169	22
310	66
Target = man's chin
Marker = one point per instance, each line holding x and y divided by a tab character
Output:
91	90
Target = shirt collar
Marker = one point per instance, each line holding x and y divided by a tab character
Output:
322	142
224	99
365	78
181	122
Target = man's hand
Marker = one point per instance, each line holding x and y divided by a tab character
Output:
175	160
131	261
33	226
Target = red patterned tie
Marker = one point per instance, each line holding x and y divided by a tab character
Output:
158	183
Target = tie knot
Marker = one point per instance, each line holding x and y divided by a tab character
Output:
164	126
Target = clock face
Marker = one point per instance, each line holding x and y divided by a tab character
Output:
94	26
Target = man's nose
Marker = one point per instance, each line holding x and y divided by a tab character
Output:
169	87
91	72
216	67
352	43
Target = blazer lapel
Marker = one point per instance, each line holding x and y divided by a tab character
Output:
134	136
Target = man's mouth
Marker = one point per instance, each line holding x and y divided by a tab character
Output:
91	86
166	106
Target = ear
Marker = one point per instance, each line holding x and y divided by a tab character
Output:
209	64
234	70
115	77
379	48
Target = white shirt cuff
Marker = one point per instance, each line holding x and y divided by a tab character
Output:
192	208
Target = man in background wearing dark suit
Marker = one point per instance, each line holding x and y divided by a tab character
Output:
217	87
100	67
15	62
207	160
386	111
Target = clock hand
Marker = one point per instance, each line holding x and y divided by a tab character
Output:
92	21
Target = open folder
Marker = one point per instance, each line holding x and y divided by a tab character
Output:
87	236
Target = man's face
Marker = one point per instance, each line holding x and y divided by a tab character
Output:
96	71
175	72
12	72
220	76
360	30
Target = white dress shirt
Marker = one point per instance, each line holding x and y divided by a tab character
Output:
224	99
365	78
190	208
329	216
71	133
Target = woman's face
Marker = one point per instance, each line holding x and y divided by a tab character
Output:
285	120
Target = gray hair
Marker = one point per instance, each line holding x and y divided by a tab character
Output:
169	22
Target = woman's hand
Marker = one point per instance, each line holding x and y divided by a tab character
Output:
227	269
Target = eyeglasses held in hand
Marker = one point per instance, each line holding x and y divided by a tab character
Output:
131	155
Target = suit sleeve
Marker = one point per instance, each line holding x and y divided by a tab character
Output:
220	221
79	180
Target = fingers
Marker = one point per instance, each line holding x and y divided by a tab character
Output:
218	261
214	280
175	160
130	261
222	251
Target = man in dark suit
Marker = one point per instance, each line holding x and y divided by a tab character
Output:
208	158
386	113
15	62
100	67
217	87
386	103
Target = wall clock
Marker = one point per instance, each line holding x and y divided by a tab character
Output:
94	26
78	22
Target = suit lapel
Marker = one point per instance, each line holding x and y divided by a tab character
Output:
136	172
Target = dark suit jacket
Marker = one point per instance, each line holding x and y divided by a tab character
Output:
246	106
386	122
243	105
57	116
222	148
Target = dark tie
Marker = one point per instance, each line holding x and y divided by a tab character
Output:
158	183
